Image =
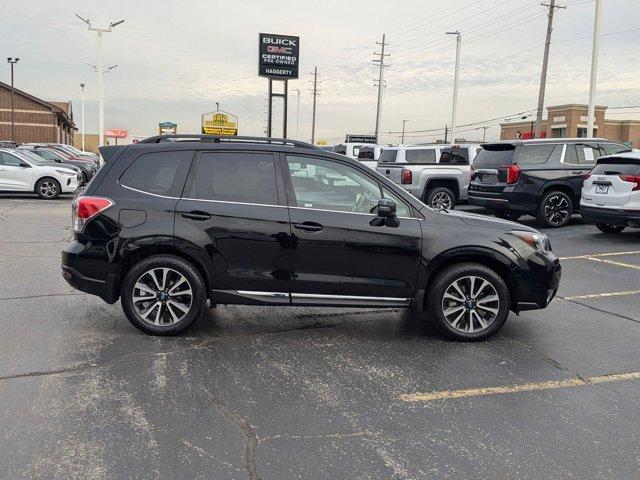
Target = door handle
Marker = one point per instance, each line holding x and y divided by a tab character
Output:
197	215
308	226
577	172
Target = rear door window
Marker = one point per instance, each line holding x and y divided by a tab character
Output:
421	156
159	173
239	177
9	160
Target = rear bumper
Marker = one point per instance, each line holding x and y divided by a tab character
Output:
73	266
611	216
498	202
537	281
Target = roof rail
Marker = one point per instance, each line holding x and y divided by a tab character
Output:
185	137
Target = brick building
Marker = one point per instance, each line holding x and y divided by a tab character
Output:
570	121
36	120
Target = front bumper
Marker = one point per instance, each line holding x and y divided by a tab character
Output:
70	185
537	281
611	216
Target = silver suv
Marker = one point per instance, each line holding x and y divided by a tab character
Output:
437	174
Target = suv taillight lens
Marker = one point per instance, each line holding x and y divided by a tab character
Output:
513	174
86	208
406	176
633	179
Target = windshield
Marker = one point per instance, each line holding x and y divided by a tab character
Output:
30	157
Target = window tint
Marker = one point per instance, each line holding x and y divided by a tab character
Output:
613	148
388	156
494	155
341	149
582	154
161	173
423	155
402	209
457	156
535	154
326	185
236	177
616	167
366	153
9	160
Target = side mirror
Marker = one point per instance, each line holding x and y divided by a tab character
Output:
386	208
25	165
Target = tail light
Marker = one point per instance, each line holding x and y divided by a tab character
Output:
86	208
513	174
406	176
633	179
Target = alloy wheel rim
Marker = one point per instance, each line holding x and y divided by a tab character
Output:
470	304
556	210
162	296
48	189
441	200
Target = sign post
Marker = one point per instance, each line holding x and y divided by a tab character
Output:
279	60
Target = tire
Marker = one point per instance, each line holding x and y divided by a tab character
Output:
606	228
512	216
48	188
440	197
171	313
554	210
455	324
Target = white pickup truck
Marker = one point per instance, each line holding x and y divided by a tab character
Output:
437	174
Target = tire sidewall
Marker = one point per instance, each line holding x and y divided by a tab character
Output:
446	278
432	193
542	219
611	229
176	263
48	179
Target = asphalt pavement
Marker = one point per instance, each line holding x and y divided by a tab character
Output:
273	393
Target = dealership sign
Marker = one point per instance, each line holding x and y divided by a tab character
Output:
220	123
116	133
279	56
360	139
168	128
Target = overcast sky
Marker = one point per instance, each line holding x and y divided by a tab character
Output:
177	58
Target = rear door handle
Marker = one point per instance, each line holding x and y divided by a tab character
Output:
308	226
197	215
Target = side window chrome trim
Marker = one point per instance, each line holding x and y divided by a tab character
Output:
233	203
348	213
147	193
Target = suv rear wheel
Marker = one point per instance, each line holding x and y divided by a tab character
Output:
468	302
554	210
441	197
163	295
606	228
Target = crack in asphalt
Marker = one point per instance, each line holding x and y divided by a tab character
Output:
249	432
46	295
601	310
361	433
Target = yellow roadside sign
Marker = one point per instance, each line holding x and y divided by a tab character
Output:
219	123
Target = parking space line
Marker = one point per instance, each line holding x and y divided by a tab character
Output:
524	387
617	264
601	295
600	255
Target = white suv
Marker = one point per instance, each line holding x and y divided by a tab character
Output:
22	173
611	193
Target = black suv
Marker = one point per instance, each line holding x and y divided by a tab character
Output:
536	177
174	221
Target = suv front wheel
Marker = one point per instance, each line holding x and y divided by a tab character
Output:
468	302
163	295
554	210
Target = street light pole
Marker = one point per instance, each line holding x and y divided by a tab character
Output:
403	122
100	68
594	72
455	84
82	113
298	115
12	61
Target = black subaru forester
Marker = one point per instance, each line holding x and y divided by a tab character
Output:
175	221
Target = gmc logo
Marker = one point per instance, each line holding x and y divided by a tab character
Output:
282	50
279	41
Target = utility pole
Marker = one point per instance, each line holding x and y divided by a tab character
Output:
545	63
82	112
12	61
298	115
484	133
594	72
217	106
315	94
403	122
455	84
381	64
100	68
446	132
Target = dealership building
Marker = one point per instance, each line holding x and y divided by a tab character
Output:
570	121
36	120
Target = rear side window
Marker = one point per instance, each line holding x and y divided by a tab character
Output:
535	154
613	148
456	156
581	154
388	156
422	155
160	173
495	155
341	149
617	166
236	177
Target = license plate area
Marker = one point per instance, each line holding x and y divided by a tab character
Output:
602	189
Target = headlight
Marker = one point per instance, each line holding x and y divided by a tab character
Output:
66	172
538	241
